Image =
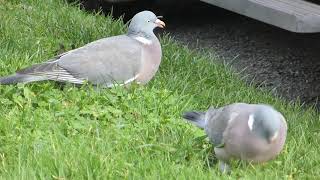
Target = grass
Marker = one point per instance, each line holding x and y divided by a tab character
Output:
48	131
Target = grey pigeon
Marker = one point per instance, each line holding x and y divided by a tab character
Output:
116	60
251	132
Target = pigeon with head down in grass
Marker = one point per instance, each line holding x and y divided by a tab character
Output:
254	133
117	60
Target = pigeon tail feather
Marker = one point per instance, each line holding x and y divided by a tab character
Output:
20	78
195	117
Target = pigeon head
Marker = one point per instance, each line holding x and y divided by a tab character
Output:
143	24
265	123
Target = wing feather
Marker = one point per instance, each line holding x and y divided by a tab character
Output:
106	61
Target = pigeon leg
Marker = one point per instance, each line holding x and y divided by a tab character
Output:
224	167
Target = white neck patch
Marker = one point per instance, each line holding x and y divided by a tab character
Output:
250	121
143	40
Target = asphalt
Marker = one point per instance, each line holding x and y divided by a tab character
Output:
285	62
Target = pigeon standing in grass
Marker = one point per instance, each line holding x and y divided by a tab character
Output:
252	132
116	60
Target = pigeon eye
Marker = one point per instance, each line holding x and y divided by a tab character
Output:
148	20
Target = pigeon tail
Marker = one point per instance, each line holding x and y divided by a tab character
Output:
40	72
20	78
195	117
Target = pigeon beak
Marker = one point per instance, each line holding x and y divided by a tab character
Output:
273	138
160	23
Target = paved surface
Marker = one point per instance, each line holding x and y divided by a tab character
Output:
286	62
281	60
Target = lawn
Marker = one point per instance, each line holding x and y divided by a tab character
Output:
50	131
